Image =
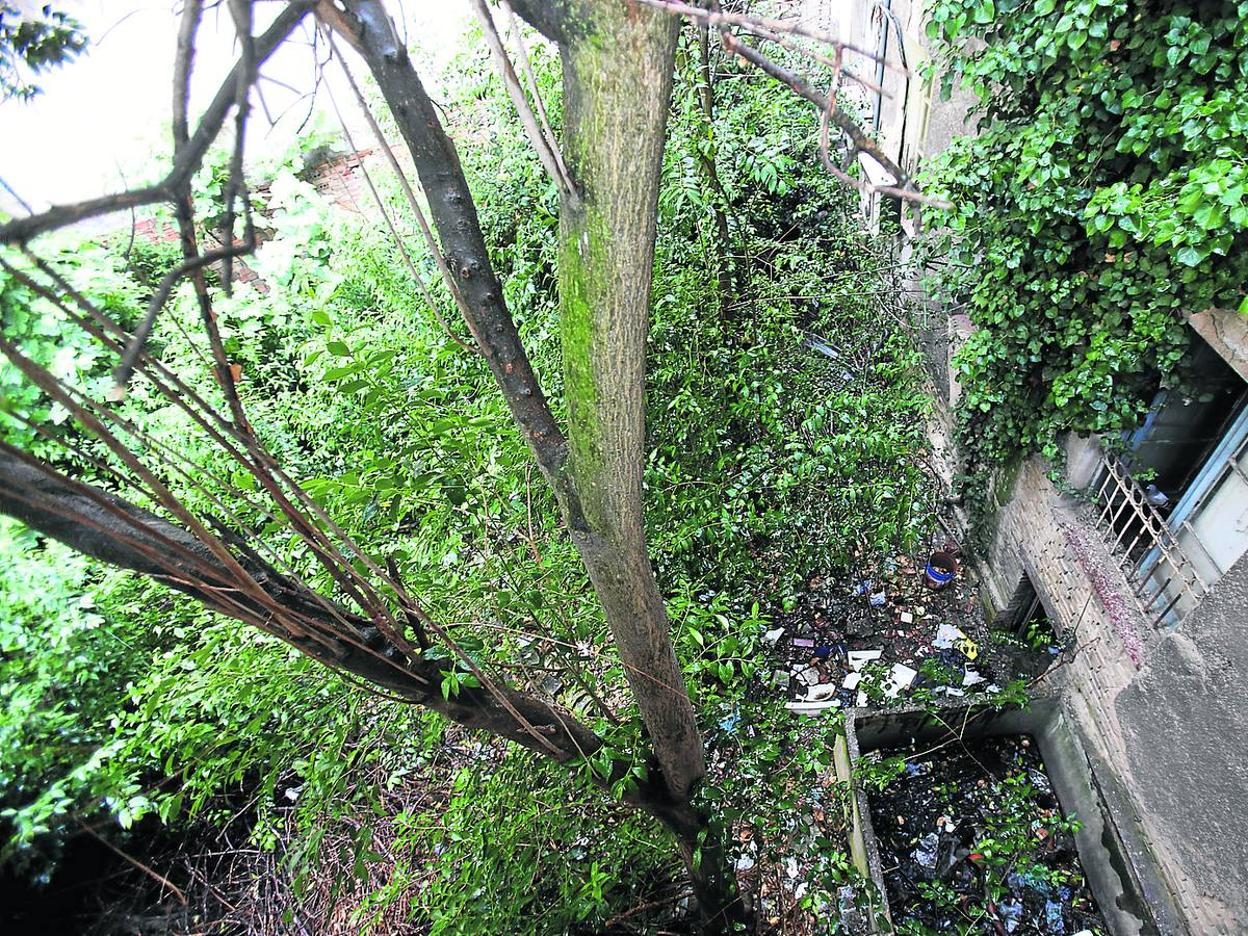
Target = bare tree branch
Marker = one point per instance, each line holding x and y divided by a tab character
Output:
22	230
527	67
546	148
235	186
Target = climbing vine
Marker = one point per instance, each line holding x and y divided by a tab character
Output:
1102	198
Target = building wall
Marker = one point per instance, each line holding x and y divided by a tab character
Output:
1184	719
1163	716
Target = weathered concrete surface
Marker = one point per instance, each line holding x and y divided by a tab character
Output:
1227	333
1083	460
1185	722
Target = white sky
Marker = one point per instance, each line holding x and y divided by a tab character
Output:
108	112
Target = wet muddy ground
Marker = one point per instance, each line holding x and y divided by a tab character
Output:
972	840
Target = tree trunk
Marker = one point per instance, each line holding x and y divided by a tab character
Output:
617	81
618	60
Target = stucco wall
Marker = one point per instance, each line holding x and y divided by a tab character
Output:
1185	722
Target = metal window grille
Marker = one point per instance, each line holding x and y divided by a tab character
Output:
1166	582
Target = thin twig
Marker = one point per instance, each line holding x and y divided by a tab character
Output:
154	875
546	149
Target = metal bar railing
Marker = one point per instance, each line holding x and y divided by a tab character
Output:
1153	557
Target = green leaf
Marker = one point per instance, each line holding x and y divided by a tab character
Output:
1191	255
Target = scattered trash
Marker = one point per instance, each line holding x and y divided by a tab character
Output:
954	815
899	677
1011	914
946	635
860	658
941	570
881	612
1053	917
821	691
745	863
729	722
803	707
808	676
925	854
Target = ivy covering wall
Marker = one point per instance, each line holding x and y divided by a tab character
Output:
1103	196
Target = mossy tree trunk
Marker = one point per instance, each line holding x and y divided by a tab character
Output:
617	80
618	61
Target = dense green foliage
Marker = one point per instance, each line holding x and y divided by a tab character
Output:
31	43
768	462
1104	196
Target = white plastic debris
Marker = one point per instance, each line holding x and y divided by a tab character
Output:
820	692
925	854
946	636
809	676
805	707
860	658
972	678
861	701
899	677
907	617
851	680
744	863
772	636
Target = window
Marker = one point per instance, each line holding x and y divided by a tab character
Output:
1176	506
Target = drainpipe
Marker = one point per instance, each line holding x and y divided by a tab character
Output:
886	8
